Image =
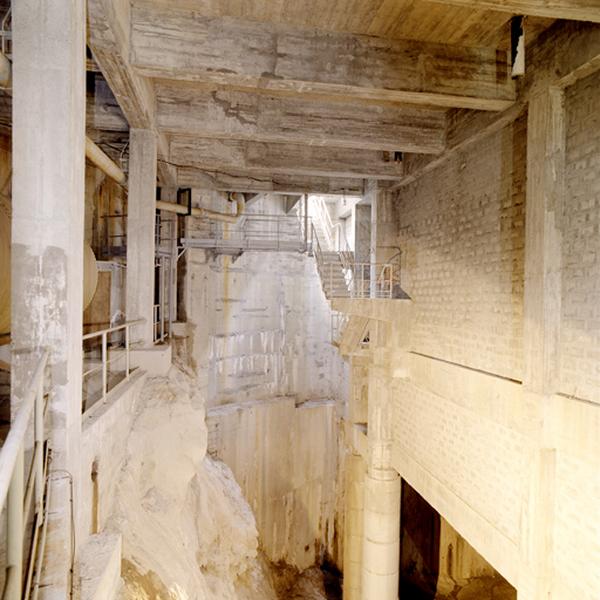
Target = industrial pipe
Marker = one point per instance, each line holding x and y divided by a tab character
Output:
98	157
205	213
90	276
5	71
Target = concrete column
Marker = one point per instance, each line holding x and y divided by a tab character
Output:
362	228
353	526
48	154
381	545
48	206
371	193
541	334
140	232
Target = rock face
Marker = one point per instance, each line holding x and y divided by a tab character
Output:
188	533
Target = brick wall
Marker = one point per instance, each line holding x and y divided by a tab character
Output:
461	231
580	327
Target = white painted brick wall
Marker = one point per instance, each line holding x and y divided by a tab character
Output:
482	462
461	230
580	331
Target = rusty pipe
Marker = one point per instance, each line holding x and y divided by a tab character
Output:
205	213
98	157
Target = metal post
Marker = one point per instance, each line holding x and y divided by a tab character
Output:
127	366
278	234
305	203
14	552
38	448
331	280
104	365
161	295
170	296
362	280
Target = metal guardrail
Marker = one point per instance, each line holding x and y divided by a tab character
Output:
253	232
339	321
105	361
160	325
354	280
335	236
21	492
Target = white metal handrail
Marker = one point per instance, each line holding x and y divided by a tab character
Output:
257	232
103	334
16	492
339	321
335	234
341	280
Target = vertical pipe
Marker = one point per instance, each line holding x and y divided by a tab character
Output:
14	551
104	365
161	297
127	364
305	205
38	450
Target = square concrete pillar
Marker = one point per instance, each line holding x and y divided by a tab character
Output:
141	211
48	207
48	154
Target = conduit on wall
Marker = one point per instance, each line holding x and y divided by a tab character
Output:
205	213
90	276
98	157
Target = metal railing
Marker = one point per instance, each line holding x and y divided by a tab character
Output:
355	280
160	324
335	236
121	350
253	232
339	321
22	491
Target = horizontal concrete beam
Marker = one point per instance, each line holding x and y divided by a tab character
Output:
578	10
291	159
177	43
236	181
109	24
182	108
563	54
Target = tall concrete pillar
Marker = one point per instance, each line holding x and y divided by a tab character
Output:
381	543
353	526
371	191
48	207
381	547
141	202
48	154
546	140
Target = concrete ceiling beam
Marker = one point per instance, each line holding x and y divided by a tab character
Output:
290	159
178	43
279	184
578	10
182	108
109	25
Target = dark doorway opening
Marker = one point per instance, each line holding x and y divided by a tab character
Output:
419	546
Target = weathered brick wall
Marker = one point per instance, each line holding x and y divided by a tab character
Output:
461	230
580	327
478	460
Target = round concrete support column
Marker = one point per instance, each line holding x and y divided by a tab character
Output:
353	527
381	545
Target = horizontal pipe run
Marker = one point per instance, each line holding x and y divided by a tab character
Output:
204	213
98	157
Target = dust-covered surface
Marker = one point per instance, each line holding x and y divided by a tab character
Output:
187	531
